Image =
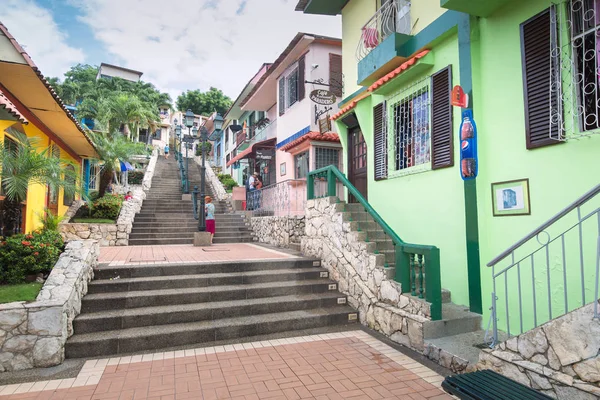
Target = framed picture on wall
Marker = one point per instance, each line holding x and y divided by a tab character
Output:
511	198
282	171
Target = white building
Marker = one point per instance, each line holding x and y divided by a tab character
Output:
111	71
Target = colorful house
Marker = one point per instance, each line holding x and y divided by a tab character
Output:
29	105
506	171
286	140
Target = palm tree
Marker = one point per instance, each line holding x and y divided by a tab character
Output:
23	164
111	150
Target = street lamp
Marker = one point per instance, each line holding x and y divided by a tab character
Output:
177	137
189	123
202	215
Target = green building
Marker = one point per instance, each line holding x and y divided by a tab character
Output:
530	71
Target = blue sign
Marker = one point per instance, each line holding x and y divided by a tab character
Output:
468	147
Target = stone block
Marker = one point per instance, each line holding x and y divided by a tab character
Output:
186	197
201	239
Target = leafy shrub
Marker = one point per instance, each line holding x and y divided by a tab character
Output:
50	221
135	177
223	177
22	255
229	183
207	145
107	207
94	195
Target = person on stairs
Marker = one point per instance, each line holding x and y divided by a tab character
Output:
209	211
166	152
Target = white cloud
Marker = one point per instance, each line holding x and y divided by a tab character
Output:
35	30
194	44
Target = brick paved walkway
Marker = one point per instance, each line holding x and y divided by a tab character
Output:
348	365
136	255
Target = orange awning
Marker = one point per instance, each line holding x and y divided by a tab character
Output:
316	136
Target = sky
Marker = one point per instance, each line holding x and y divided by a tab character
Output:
177	44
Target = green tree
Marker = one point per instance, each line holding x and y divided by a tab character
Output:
111	150
204	103
23	164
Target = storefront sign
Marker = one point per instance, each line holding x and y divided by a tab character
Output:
459	97
325	124
468	147
264	154
323	97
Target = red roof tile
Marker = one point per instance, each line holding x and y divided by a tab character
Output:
405	65
316	136
10	107
344	110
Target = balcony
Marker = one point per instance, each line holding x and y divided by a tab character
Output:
380	41
264	133
479	8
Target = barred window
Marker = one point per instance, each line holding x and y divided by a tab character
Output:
292	88
411	129
301	164
325	156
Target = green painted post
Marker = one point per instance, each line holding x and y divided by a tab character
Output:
433	284
331	183
402	268
310	186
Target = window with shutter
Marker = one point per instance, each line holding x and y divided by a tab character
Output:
335	74
292	87
380	136
442	147
301	74
282	96
536	59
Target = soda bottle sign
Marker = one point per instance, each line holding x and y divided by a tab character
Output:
468	147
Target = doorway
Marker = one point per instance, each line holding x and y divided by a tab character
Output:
357	162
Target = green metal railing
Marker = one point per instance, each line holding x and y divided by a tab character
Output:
417	266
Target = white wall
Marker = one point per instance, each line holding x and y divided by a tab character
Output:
117	72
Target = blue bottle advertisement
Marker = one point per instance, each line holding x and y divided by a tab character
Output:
468	146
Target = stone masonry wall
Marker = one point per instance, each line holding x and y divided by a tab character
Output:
560	358
33	335
149	173
214	182
360	274
278	231
106	234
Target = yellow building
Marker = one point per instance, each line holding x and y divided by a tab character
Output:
29	105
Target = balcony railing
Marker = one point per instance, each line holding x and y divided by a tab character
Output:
264	133
392	17
283	198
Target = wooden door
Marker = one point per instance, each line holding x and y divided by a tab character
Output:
357	162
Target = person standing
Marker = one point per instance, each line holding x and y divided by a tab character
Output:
166	152
209	212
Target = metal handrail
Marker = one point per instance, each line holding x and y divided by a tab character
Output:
405	252
261	198
580	201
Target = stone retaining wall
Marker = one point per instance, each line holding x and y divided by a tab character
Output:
149	173
106	234
278	231
214	182
360	274
560	358
33	335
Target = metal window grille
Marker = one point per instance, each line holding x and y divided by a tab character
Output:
409	127
575	66
301	162
325	156
292	87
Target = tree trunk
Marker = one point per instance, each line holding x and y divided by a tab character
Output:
105	178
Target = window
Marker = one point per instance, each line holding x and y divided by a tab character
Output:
411	130
10	146
335	74
68	198
282	96
301	163
325	156
292	88
419	121
53	190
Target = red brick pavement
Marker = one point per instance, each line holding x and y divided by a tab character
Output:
342	368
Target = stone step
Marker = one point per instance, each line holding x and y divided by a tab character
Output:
159	337
160	229
159	242
196	312
151	298
140	271
187	233
204	280
233	239
456	319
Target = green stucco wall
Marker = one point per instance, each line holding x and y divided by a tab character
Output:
428	207
557	174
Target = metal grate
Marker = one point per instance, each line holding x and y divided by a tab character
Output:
575	62
301	163
325	156
409	127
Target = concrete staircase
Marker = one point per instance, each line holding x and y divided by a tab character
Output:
167	219
155	307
